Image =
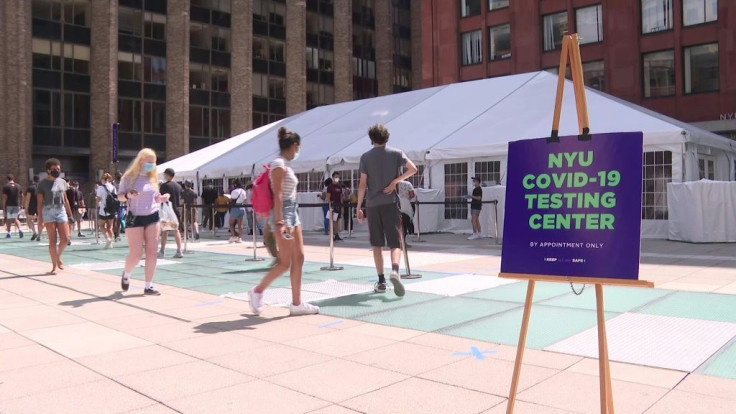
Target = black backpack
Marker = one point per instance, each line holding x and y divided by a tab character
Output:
112	204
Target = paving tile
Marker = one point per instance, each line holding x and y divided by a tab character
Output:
253	397
405	358
67	339
537	357
10	340
171	331
357	305
523	407
129	361
581	393
153	409
339	343
713	307
516	292
383	331
547	325
489	375
270	360
35	317
280	329
183	380
422	396
448	342
707	385
97	396
616	298
337	380
215	344
27	356
686	402
334	409
723	363
43	378
657	377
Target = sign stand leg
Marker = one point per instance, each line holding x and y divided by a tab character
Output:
520	348
603	363
408	274
419	232
255	257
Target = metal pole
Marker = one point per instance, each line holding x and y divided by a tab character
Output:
332	243
419	232
255	258
408	274
495	222
349	219
212	221
97	227
186	223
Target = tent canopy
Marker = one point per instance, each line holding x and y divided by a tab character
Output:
457	121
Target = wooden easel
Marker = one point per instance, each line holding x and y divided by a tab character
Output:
571	50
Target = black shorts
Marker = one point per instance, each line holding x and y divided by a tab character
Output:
337	208
141	221
104	217
383	225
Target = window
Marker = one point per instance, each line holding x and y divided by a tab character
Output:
489	172
699	11
594	75
499	42
471	46
497	4
656	15
456	186
130	66
701	68
154	26
589	21
706	165
67	11
469	8
276	88
310	182
657	172
659	74
154	69
417	180
555	26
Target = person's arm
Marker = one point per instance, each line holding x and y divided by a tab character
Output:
277	183
5	200
39	205
361	195
66	204
409	170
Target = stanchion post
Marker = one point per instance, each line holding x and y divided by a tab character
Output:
255	257
495	221
332	243
97	228
212	222
349	219
186	230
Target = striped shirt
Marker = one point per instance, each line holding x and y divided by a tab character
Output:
290	181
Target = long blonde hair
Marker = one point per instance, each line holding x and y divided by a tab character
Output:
135	168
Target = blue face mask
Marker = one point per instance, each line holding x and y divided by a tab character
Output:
148	167
296	156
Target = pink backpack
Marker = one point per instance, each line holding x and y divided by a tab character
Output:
262	198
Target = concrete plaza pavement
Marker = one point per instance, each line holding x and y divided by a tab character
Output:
72	342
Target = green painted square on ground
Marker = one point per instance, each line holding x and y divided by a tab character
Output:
695	305
547	325
516	292
722	364
194	282
221	289
448	311
615	298
353	306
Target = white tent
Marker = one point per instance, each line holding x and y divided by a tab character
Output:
467	123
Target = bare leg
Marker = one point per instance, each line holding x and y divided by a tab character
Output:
53	252
297	262
395	256
135	246
378	258
164	236
284	264
240	227
63	240
177	237
30	220
150	234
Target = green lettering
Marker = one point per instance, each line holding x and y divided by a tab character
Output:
534	221
555	161
548	221
609	200
526	181
607	221
591	222
530	200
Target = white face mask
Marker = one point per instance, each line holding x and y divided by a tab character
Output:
296	156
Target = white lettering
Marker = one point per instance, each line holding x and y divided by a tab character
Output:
728	115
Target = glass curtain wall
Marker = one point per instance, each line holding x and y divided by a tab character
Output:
269	61
320	26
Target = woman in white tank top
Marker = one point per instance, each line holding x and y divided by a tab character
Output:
285	223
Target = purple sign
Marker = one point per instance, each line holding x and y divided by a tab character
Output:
573	208
115	127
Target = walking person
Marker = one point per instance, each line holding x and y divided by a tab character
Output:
55	211
190	201
284	221
237	212
139	189
31	206
406	194
379	175
334	201
173	189
105	213
325	205
209	195
76	201
221	203
476	205
12	200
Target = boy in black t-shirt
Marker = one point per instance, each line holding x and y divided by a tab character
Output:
12	200
475	207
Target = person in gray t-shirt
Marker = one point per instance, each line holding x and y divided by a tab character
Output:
380	172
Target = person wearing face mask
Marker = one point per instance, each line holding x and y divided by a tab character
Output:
55	211
104	213
139	188
284	221
334	199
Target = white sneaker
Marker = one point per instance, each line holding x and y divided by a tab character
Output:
303	309
255	300
160	254
396	281
474	236
238	240
108	244
231	240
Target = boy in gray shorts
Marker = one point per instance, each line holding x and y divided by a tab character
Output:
380	172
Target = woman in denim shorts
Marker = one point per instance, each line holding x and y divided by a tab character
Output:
55	211
286	226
